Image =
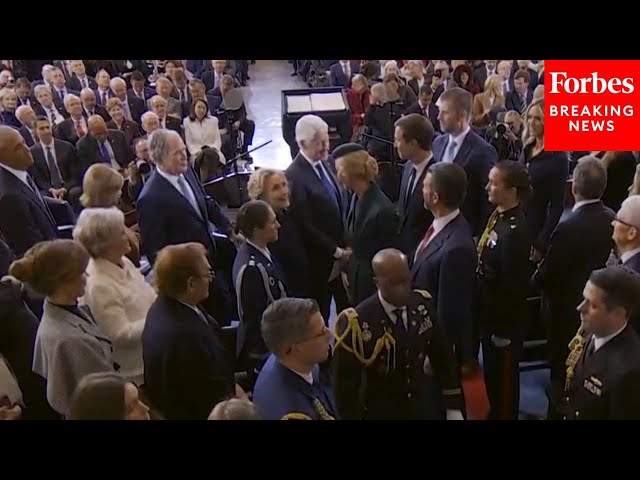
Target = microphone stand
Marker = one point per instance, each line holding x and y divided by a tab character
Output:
234	161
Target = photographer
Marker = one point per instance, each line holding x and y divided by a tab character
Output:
139	170
505	133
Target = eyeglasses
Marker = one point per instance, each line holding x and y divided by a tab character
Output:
325	331
625	223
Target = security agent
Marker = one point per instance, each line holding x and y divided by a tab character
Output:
258	279
391	359
603	368
290	385
503	281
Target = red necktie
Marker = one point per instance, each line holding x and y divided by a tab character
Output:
425	240
79	130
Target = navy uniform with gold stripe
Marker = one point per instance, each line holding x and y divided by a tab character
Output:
258	282
503	280
603	383
394	363
282	394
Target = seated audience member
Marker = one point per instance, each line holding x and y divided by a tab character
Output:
8	106
159	107
187	369
398	93
46	107
102	145
116	292
90	106
463	76
290	386
23	91
69	345
358	97
234	409
138	87
80	79
139	170
289	250
201	129
257	278
238	120
129	128
102	187
25	219
75	126
107	396
27	118
426	107
132	107
164	88
150	123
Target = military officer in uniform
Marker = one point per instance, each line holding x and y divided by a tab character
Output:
291	386
603	367
391	360
258	281
503	280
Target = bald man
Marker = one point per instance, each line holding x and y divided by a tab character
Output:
391	359
102	145
25	218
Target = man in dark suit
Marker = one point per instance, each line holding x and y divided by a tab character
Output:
60	89
212	78
27	117
425	107
626	235
197	90
413	137
103	92
605	363
90	107
173	208
56	169
80	79
318	207
187	369
102	145
459	144
46	105
239	120
341	73
521	96
25	218
132	107
159	107
75	127
138	88
445	262
580	244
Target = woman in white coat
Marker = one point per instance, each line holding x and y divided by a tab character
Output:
201	129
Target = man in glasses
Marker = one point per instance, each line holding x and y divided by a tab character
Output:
391	360
626	235
290	385
580	244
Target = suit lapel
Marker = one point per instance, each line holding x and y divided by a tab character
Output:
465	148
416	200
437	242
195	187
34	197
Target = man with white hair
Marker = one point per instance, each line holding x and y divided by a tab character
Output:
159	106
27	117
75	127
132	107
174	208
46	105
626	235
318	207
150	123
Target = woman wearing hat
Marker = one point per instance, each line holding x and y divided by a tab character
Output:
372	221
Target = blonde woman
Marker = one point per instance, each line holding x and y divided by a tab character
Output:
358	98
372	221
491	97
8	106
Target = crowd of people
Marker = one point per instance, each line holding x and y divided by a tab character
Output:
433	282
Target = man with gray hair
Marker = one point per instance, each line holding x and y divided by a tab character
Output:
580	244
27	117
174	208
290	385
133	107
318	207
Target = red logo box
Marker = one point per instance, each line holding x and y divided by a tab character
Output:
592	105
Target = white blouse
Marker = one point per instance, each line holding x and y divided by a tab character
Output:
198	134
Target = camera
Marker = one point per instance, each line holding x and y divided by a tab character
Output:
143	167
501	128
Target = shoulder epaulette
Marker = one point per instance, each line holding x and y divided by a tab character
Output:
424	293
296	416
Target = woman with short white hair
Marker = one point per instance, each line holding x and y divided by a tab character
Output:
116	291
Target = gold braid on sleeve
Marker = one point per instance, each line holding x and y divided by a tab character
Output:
575	350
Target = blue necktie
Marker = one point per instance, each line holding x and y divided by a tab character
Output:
105	152
188	194
328	186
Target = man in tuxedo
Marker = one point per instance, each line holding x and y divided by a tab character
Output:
459	144
444	263
80	79
521	96
25	218
102	145
413	137
173	208
318	207
581	243
56	170
27	117
132	107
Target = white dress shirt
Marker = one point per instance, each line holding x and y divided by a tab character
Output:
598	342
119	299
264	251
458	139
202	133
22	175
419	168
440	223
624	258
579	204
173	180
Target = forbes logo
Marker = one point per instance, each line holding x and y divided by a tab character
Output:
562	83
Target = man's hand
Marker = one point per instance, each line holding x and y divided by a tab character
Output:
236	124
346	253
58	193
13	413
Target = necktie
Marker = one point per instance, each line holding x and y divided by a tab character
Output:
54	173
104	151
328	186
451	148
589	351
523	106
400	323
425	241
79	130
127	110
84	83
104	98
33	187
188	194
412	179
